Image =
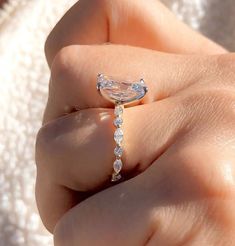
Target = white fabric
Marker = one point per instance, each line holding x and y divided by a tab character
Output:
24	25
24	75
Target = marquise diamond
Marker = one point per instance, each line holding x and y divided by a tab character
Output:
118	136
117	165
118	151
118	121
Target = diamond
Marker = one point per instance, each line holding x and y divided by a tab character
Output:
119	90
118	121
116	177
118	151
118	136
118	110
117	165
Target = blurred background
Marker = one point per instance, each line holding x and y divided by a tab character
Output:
24	76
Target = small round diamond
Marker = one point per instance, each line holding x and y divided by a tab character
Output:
117	165
118	136
118	121
118	151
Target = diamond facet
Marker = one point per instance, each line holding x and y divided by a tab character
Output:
117	165
118	136
121	91
118	151
118	121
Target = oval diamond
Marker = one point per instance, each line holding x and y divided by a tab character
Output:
118	136
117	165
121	91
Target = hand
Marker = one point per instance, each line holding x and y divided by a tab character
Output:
167	133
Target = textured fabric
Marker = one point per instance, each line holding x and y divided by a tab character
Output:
24	25
213	18
23	91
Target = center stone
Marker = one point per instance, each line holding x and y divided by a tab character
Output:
118	91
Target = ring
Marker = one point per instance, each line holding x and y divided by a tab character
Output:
120	93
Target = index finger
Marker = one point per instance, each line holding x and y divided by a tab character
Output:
131	22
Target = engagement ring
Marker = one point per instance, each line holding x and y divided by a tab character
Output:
120	93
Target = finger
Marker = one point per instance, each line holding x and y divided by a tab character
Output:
76	151
127	208
84	140
131	22
75	69
165	205
170	203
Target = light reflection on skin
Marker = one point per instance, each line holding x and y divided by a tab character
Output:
86	123
227	170
104	115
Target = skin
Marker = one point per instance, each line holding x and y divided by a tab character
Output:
179	189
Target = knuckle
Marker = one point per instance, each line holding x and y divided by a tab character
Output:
62	70
69	74
69	139
42	147
48	47
72	67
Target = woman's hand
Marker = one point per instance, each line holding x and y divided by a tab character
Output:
184	147
182	137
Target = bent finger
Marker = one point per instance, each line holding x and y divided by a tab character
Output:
76	151
133	22
75	69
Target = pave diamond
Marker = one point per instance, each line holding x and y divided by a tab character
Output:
120	91
118	135
117	165
118	151
118	121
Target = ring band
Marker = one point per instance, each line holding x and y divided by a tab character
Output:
120	93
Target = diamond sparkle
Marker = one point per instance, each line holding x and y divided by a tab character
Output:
118	151
117	165
123	92
118	121
118	136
